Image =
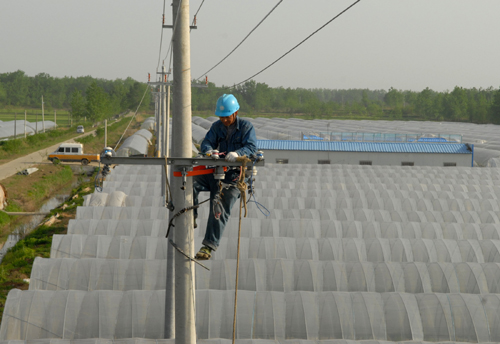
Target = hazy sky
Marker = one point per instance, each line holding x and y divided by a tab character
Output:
406	44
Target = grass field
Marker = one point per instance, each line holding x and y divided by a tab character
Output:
17	263
95	144
35	115
29	193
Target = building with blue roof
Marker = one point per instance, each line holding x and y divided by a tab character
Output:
367	153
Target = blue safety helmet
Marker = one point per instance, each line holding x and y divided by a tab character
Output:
226	105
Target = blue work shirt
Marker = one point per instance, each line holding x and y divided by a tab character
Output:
243	140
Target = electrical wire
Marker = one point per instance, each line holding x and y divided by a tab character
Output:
244	39
199	8
260	206
161	38
295	47
138	106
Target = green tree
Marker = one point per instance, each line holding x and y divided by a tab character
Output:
97	105
394	98
78	105
495	108
481	111
17	86
456	105
134	97
424	103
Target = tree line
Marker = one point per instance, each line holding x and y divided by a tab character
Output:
85	96
460	104
98	98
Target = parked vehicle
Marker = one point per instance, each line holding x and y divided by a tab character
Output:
80	129
72	152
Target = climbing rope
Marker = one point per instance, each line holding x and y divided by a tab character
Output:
242	186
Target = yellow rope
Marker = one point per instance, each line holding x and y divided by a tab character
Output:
242	186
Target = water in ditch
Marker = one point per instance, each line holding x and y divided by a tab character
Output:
21	231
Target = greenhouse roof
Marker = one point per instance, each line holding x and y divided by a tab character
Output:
348	255
373	147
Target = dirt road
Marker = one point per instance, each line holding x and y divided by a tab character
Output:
12	167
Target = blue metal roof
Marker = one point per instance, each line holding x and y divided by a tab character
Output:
375	147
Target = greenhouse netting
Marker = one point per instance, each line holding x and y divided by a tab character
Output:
348	255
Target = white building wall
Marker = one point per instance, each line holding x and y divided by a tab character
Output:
354	158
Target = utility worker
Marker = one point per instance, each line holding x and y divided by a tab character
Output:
233	137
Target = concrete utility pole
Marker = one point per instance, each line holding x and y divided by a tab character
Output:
55	117
167	126
43	117
185	331
24	123
156	123
15	125
105	133
164	133
160	121
36	124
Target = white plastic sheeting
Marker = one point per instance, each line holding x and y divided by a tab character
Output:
120	199
9	128
205	124
130	228
261	315
300	228
144	133
349	254
283	275
134	145
122	213
134	170
212	341
149	123
344	250
198	133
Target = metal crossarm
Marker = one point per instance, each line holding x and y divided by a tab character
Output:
172	161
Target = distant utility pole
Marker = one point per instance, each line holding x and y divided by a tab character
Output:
157	111
185	331
15	125
24	123
164	119
43	117
36	125
167	126
55	117
160	119
105	133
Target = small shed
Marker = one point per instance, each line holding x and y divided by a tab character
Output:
367	153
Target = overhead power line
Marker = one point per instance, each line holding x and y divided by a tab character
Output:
295	47
135	114
198	11
244	39
161	38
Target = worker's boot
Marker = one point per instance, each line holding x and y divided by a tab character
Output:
205	253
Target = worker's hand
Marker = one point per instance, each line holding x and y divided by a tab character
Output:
213	153
231	157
